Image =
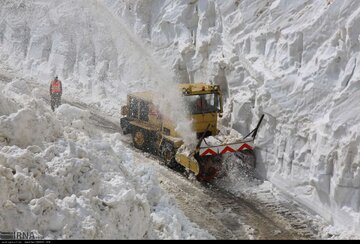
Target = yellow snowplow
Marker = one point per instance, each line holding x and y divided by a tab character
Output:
155	133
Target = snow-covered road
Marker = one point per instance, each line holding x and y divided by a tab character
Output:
223	214
216	210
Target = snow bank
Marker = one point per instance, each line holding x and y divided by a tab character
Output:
61	179
28	123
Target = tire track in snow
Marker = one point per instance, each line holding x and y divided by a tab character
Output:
223	214
227	216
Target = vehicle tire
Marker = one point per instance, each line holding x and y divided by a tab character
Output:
139	139
124	124
167	153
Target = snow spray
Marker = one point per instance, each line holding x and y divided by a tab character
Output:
168	96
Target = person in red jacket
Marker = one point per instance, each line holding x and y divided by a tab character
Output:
55	93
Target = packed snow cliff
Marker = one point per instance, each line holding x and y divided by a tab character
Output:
294	61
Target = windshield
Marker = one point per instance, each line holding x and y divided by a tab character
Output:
207	103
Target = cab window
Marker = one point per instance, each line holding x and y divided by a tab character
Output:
207	103
144	111
133	107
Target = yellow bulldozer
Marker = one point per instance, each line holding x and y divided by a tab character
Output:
155	133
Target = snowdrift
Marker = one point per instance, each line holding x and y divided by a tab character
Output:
62	179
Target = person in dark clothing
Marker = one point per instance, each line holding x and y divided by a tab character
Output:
55	93
201	104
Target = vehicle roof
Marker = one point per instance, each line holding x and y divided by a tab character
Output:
199	88
192	89
145	95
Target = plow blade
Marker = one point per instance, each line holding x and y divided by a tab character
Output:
188	161
226	148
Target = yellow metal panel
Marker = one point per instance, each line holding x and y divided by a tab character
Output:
154	115
201	122
177	141
143	125
188	162
199	88
171	126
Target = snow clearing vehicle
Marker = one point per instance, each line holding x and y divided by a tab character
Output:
155	133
